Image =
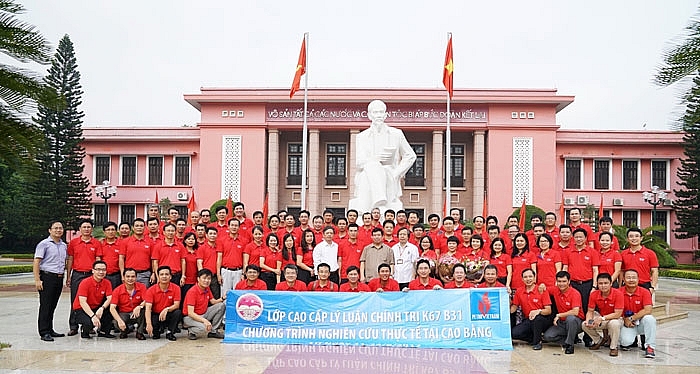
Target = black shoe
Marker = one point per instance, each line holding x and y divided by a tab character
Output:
54	334
577	340
140	336
569	350
215	335
73	332
537	347
47	338
177	330
156	336
105	335
171	337
85	335
123	334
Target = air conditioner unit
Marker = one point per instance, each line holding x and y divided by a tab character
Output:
182	196
569	201
581	200
668	202
618	202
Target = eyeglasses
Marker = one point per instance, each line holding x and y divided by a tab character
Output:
205	215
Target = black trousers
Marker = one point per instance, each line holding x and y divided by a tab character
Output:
115	279
75	279
82	318
335	277
584	288
531	330
270	279
48	299
171	321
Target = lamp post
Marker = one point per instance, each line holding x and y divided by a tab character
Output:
654	197
106	191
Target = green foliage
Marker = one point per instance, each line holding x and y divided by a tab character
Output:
687	203
530	210
165	204
216	204
61	191
682	59
15	269
18	255
676	273
663	250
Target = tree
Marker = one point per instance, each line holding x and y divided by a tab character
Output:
20	89
687	203
663	250
61	191
683	59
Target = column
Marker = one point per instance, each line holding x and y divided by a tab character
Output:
437	197
352	167
479	182
273	167
314	196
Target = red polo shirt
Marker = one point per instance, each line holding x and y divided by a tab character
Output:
317	287
429	254
615	246
484	285
417	285
521	263
160	299
170	255
391	285
606	305
125	301
271	257
350	254
502	262
642	260
532	300
589	231
84	253
283	286
137	253
364	236
190	267
608	261
110	255
452	285
233	251
253	250
361	287
199	298
637	300
259	284
581	263
208	255
567	300
94	291
222	231
563	249
546	267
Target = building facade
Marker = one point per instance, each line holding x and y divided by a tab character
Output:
505	146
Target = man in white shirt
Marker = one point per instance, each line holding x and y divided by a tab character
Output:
405	257
327	252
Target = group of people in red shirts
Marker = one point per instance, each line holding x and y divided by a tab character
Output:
355	253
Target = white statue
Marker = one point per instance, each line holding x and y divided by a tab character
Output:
383	156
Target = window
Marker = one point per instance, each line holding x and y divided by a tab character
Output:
661	219
129	170
601	174
99	215
101	169
155	170
182	170
182	209
339	212
457	165
421	213
629	175
128	213
629	218
573	174
415	176
294	164
335	164
658	174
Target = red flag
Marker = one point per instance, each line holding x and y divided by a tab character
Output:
300	70
521	220
448	68
265	209
229	207
562	211
190	209
157	201
600	208
485	210
444	207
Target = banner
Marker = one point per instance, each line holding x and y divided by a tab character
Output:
460	318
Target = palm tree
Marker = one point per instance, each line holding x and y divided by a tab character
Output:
684	58
20	89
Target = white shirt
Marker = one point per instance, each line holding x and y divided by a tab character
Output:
328	253
405	258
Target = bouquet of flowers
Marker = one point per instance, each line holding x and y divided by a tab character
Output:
475	269
445	266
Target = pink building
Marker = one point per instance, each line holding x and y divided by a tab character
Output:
505	145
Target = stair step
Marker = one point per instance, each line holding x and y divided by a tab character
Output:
671	317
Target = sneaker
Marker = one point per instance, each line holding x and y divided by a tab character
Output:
215	335
650	352
192	336
537	347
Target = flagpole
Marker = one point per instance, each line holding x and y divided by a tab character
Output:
448	149
305	137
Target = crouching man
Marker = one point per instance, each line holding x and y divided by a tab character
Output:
128	305
203	313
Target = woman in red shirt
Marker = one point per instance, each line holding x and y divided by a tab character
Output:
289	251
522	259
271	262
305	259
503	262
548	261
251	252
610	260
190	271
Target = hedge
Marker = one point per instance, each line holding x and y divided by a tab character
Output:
675	273
15	269
18	255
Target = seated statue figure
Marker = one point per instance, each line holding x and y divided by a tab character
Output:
382	156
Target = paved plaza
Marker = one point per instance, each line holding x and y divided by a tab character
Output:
678	348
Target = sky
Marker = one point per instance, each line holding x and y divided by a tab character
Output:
138	58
